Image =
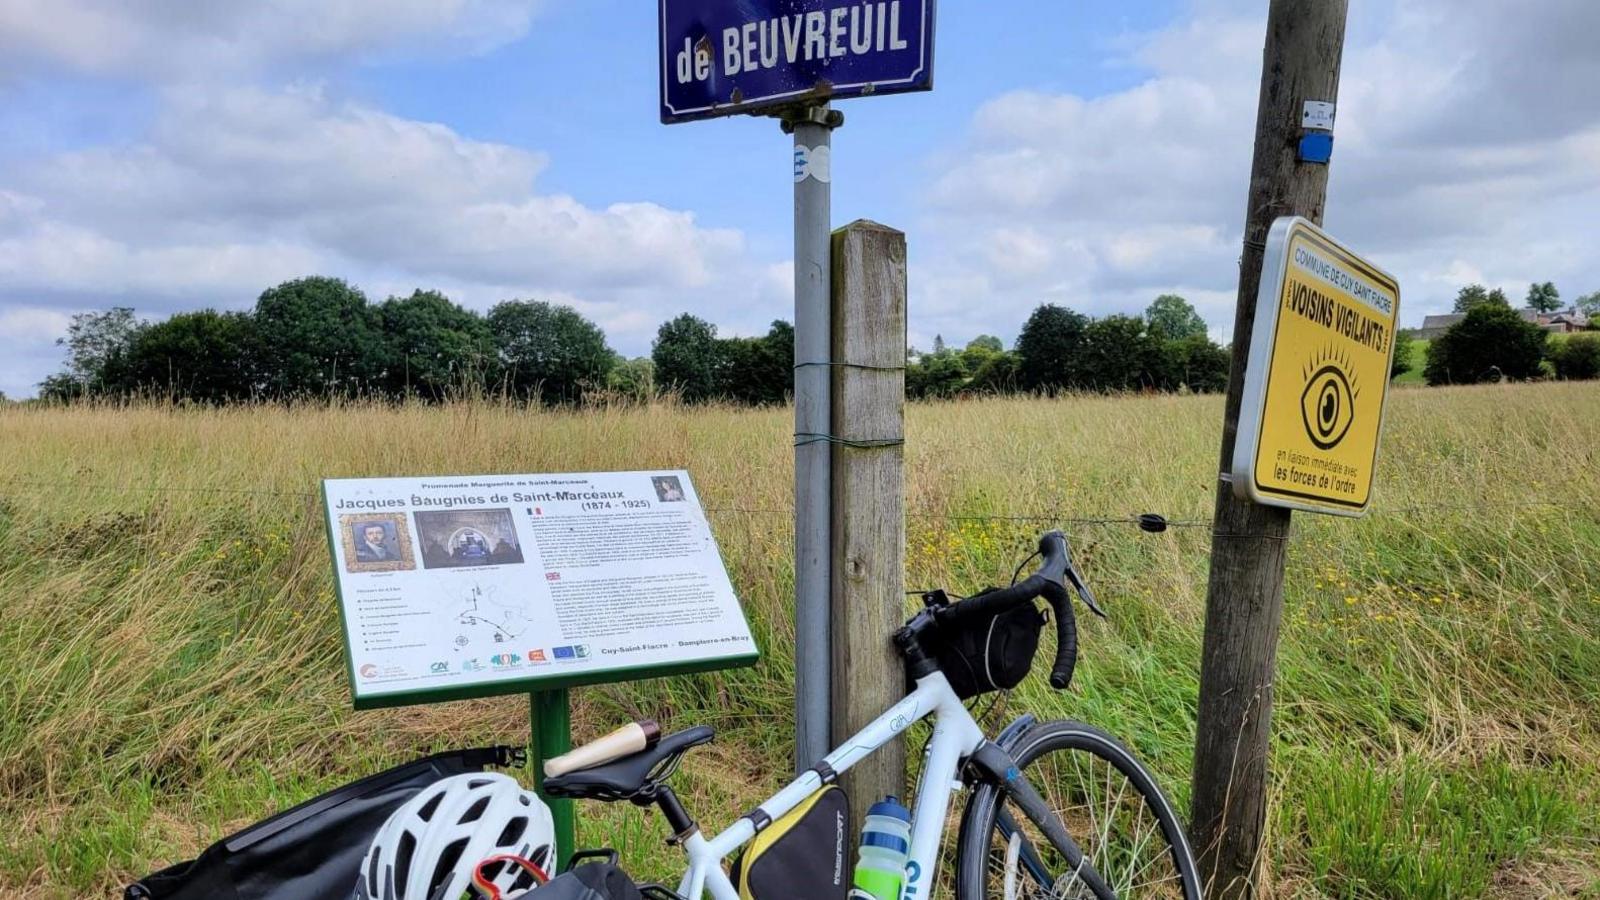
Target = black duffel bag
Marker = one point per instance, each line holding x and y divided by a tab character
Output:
313	851
589	881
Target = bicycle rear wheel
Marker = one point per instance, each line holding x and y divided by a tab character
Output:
1110	805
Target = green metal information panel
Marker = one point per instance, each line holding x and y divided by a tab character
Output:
468	586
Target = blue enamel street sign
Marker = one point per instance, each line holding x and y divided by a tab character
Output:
722	57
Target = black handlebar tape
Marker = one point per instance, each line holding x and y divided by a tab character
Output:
1066	635
993	603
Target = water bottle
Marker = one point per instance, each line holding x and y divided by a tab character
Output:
885	849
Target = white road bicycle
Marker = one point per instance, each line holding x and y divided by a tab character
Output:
1057	809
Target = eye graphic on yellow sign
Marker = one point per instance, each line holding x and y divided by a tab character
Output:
1327	406
1318	371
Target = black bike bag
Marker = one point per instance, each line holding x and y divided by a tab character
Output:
313	851
801	855
989	653
590	881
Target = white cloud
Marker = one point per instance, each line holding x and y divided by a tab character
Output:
1468	149
235	189
179	40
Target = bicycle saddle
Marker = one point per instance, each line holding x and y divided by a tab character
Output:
625	777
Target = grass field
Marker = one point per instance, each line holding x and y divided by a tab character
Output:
173	668
1419	361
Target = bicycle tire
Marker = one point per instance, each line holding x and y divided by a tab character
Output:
979	821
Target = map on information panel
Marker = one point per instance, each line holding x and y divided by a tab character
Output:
1318	374
466	586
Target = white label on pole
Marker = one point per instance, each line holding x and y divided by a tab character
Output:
471	585
1317	115
816	162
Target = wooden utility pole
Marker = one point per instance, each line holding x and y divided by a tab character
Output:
869	390
1244	599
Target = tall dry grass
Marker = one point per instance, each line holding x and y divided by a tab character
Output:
170	660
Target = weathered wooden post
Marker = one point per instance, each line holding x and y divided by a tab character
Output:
1244	599
869	353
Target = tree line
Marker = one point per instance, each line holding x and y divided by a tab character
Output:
320	337
1495	342
1166	349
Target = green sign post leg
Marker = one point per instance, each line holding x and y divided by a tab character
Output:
551	717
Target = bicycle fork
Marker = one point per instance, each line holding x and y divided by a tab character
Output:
1002	769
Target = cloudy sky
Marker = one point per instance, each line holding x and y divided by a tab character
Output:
175	155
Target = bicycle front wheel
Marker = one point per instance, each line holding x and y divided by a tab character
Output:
1109	804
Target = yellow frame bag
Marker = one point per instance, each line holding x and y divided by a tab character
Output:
801	856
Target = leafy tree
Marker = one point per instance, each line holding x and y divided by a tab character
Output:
431	345
1475	295
758	370
689	358
938	344
97	346
1198	364
995	374
319	338
633	378
203	356
1544	297
1173	318
1047	346
1118	354
979	351
545	351
1492	341
1589	305
1577	357
1402	362
936	375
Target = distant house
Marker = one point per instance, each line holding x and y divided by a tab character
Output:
1436	326
1563	322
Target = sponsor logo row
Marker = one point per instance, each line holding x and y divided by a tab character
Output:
539	656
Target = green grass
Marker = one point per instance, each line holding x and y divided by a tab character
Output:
173	667
1419	359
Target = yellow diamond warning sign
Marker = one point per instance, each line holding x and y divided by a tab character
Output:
1318	373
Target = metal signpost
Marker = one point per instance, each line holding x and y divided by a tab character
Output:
788	58
471	586
1320	356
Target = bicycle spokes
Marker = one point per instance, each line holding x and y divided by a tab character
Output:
1119	835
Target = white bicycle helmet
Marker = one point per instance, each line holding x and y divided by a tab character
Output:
429	847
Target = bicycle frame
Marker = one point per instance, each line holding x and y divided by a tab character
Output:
955	737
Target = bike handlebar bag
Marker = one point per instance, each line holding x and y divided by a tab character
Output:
801	856
990	654
313	851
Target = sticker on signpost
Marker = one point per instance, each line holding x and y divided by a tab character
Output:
467	586
1318	375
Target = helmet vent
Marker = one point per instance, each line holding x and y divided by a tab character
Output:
402	862
513	830
446	865
475	811
426	812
